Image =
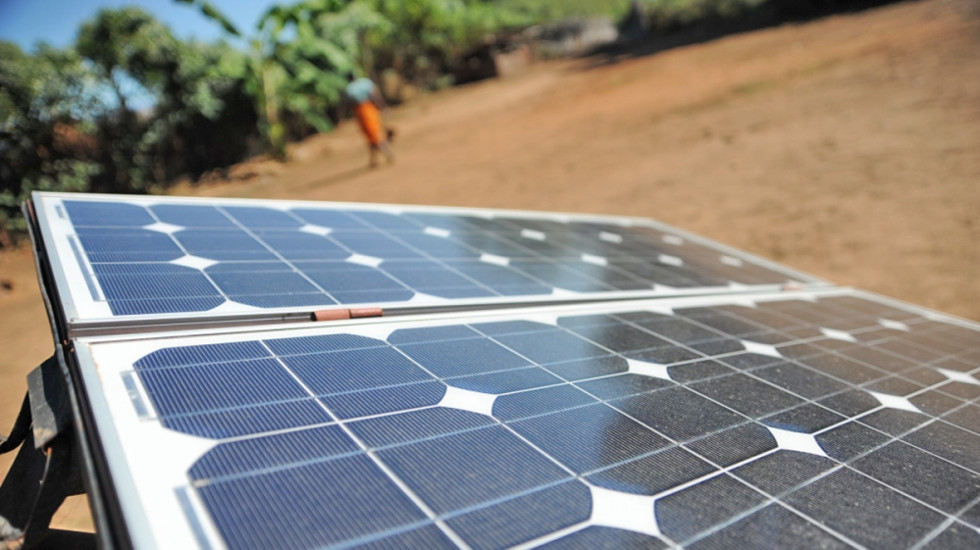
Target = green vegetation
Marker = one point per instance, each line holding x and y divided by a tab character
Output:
76	119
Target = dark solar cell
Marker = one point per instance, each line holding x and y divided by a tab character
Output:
336	501
692	511
654	473
468	468
589	438
184	215
864	510
127	245
107	214
506	524
605	537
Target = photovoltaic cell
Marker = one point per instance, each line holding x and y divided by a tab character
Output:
829	418
233	258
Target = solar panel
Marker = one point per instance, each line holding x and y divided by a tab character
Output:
129	260
825	418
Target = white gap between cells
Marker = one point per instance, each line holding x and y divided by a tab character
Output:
161	227
795	441
594	260
623	511
653	370
437	232
231	306
533	235
761	349
315	230
195	262
360	259
667	259
834	334
957	376
894	402
467	400
894	325
734	262
610	237
494	259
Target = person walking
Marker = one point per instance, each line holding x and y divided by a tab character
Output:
368	105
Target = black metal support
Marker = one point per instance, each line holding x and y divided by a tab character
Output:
45	471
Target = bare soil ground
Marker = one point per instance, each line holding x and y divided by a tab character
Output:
847	147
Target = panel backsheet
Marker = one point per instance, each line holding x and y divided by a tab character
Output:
127	256
816	420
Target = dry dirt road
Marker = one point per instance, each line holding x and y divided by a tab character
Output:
848	147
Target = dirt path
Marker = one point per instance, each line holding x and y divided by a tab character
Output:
846	147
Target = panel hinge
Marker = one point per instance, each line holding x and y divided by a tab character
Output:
342	314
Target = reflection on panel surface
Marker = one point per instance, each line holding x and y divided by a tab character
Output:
834	421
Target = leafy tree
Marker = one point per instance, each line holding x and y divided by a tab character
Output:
45	143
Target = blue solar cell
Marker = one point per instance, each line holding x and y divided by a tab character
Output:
257	217
341	278
376	245
283	300
624	385
223	245
372	296
432	334
192	216
551	347
331	219
560	276
293	245
345	371
506	524
438	247
468	468
663	355
588	368
499	328
507	381
285	450
605	537
537	402
385	400
462	357
429	277
150	281
384	220
502	279
203	354
164	305
260	283
337	501
653	473
106	214
231	384
318	344
397	429
428	537
620	337
590	438
127	245
678	413
250	420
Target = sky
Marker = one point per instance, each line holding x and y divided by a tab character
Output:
26	22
